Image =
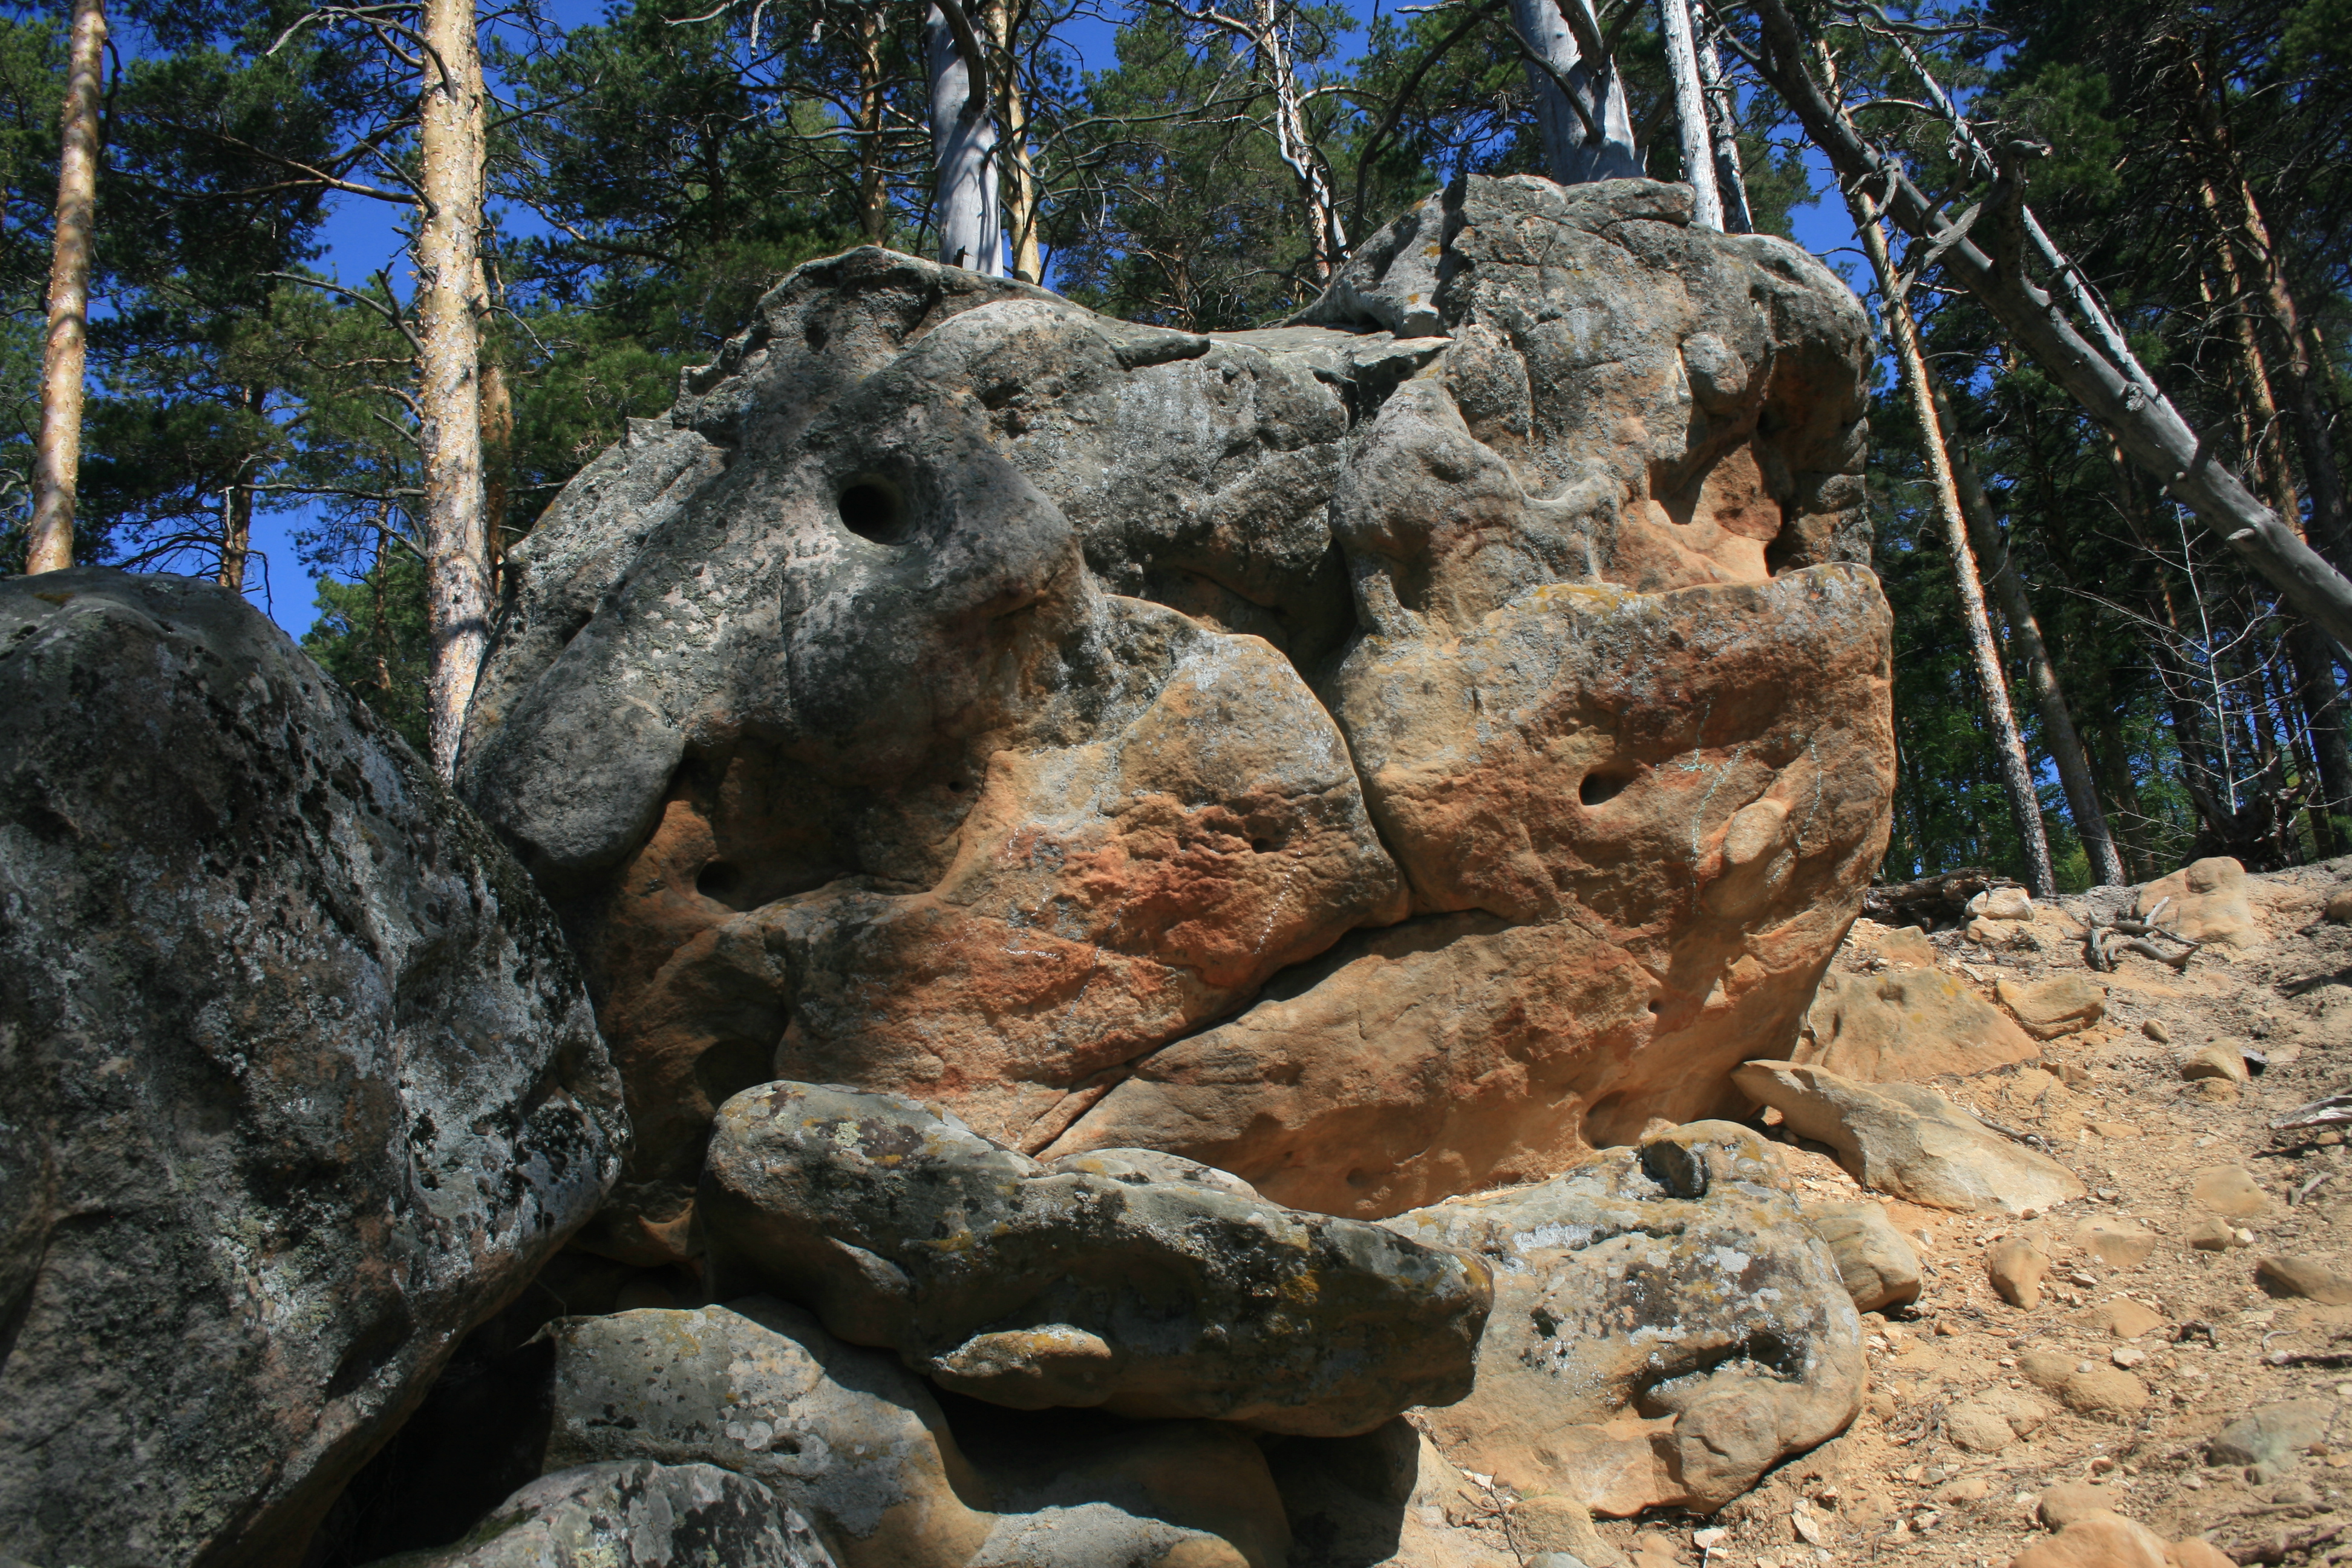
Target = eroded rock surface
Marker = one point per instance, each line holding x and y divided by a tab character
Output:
1036	1286
858	1446
850	1441
1381	756
635	1514
301	1083
1667	1326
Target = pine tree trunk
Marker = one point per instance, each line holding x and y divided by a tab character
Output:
998	23
2016	770
2247	232
1591	139
2091	362
2075	775
1326	239
1690	112
57	459
964	206
873	192
237	535
2315	689
449	393
1730	179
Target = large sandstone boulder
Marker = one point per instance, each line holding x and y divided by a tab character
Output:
300	1081
1666	1328
1035	1285
1382	756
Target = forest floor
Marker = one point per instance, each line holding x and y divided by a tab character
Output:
2113	1106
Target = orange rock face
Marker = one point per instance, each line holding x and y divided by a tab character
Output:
1380	766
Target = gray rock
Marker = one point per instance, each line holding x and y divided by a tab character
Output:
636	1514
845	1436
851	1441
303	1082
1667	1326
1911	1142
967	696
1879	1267
1027	1287
2273	1434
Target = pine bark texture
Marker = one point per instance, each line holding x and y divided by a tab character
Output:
1593	137
1690	112
2073	764
57	459
873	192
449	391
2009	742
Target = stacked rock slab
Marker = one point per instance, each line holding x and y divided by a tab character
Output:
854	1443
1090	1286
301	1083
1383	756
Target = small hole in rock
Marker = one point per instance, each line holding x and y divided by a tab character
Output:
871	508
721	880
1598	789
1260	846
957	786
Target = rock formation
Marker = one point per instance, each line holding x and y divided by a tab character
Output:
1383	757
1034	1286
1667	1326
300	1081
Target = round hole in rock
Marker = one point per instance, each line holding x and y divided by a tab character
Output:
721	880
1600	788
1260	846
872	509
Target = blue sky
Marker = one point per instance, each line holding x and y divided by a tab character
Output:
361	235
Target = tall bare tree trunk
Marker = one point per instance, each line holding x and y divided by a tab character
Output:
56	458
1690	111
999	26
872	193
2016	770
1590	135
1327	236
449	396
2091	360
2246	230
964	202
2073	765
237	507
2330	806
1730	179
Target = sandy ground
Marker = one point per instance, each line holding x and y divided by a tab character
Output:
1896	1488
